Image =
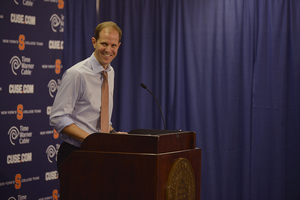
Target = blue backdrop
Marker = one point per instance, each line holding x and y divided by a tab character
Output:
227	69
31	48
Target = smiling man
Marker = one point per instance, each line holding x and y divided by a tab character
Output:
106	43
76	111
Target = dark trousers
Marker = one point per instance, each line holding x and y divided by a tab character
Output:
64	151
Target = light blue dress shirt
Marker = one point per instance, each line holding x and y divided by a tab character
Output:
78	99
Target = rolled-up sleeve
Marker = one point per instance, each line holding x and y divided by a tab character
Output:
70	90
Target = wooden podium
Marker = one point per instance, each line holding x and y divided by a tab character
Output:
133	167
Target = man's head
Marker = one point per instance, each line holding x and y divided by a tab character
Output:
103	25
106	42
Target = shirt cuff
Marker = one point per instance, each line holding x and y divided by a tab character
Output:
64	122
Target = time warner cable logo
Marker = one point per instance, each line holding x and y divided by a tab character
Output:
14	133
16	63
52	153
20	197
25	2
53	87
57	23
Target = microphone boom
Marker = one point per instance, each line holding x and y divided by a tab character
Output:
145	87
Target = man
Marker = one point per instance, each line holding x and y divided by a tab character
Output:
77	106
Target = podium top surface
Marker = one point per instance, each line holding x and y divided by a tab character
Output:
140	141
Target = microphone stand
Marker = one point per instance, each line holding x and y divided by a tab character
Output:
145	87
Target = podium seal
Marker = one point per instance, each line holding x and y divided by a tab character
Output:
181	181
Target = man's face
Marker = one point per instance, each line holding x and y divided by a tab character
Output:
106	47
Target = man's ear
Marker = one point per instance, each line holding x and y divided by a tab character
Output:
94	41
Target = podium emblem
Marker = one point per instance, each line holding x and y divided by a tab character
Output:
181	181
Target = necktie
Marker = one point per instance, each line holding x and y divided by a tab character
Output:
104	116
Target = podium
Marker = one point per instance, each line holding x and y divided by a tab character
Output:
134	167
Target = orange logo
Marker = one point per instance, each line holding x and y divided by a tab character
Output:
20	111
21	42
61	4
18	181
55	134
57	66
55	194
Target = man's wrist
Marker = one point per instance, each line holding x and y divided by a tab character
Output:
112	131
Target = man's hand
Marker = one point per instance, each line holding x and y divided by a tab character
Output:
122	132
112	130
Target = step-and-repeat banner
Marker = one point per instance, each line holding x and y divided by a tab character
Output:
31	46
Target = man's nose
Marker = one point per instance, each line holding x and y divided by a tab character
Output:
108	48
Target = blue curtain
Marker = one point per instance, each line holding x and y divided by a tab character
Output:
227	69
80	22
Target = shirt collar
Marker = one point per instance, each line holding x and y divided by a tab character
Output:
96	66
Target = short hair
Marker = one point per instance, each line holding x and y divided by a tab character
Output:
103	25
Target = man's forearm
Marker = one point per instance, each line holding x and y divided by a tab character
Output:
75	132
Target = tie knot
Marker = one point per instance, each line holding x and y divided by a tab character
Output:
104	75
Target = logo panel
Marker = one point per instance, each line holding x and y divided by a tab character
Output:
24	64
51	152
22	19
22	135
53	87
57	23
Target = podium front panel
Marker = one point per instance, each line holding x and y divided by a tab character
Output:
127	166
104	175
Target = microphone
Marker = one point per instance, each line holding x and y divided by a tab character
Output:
145	87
